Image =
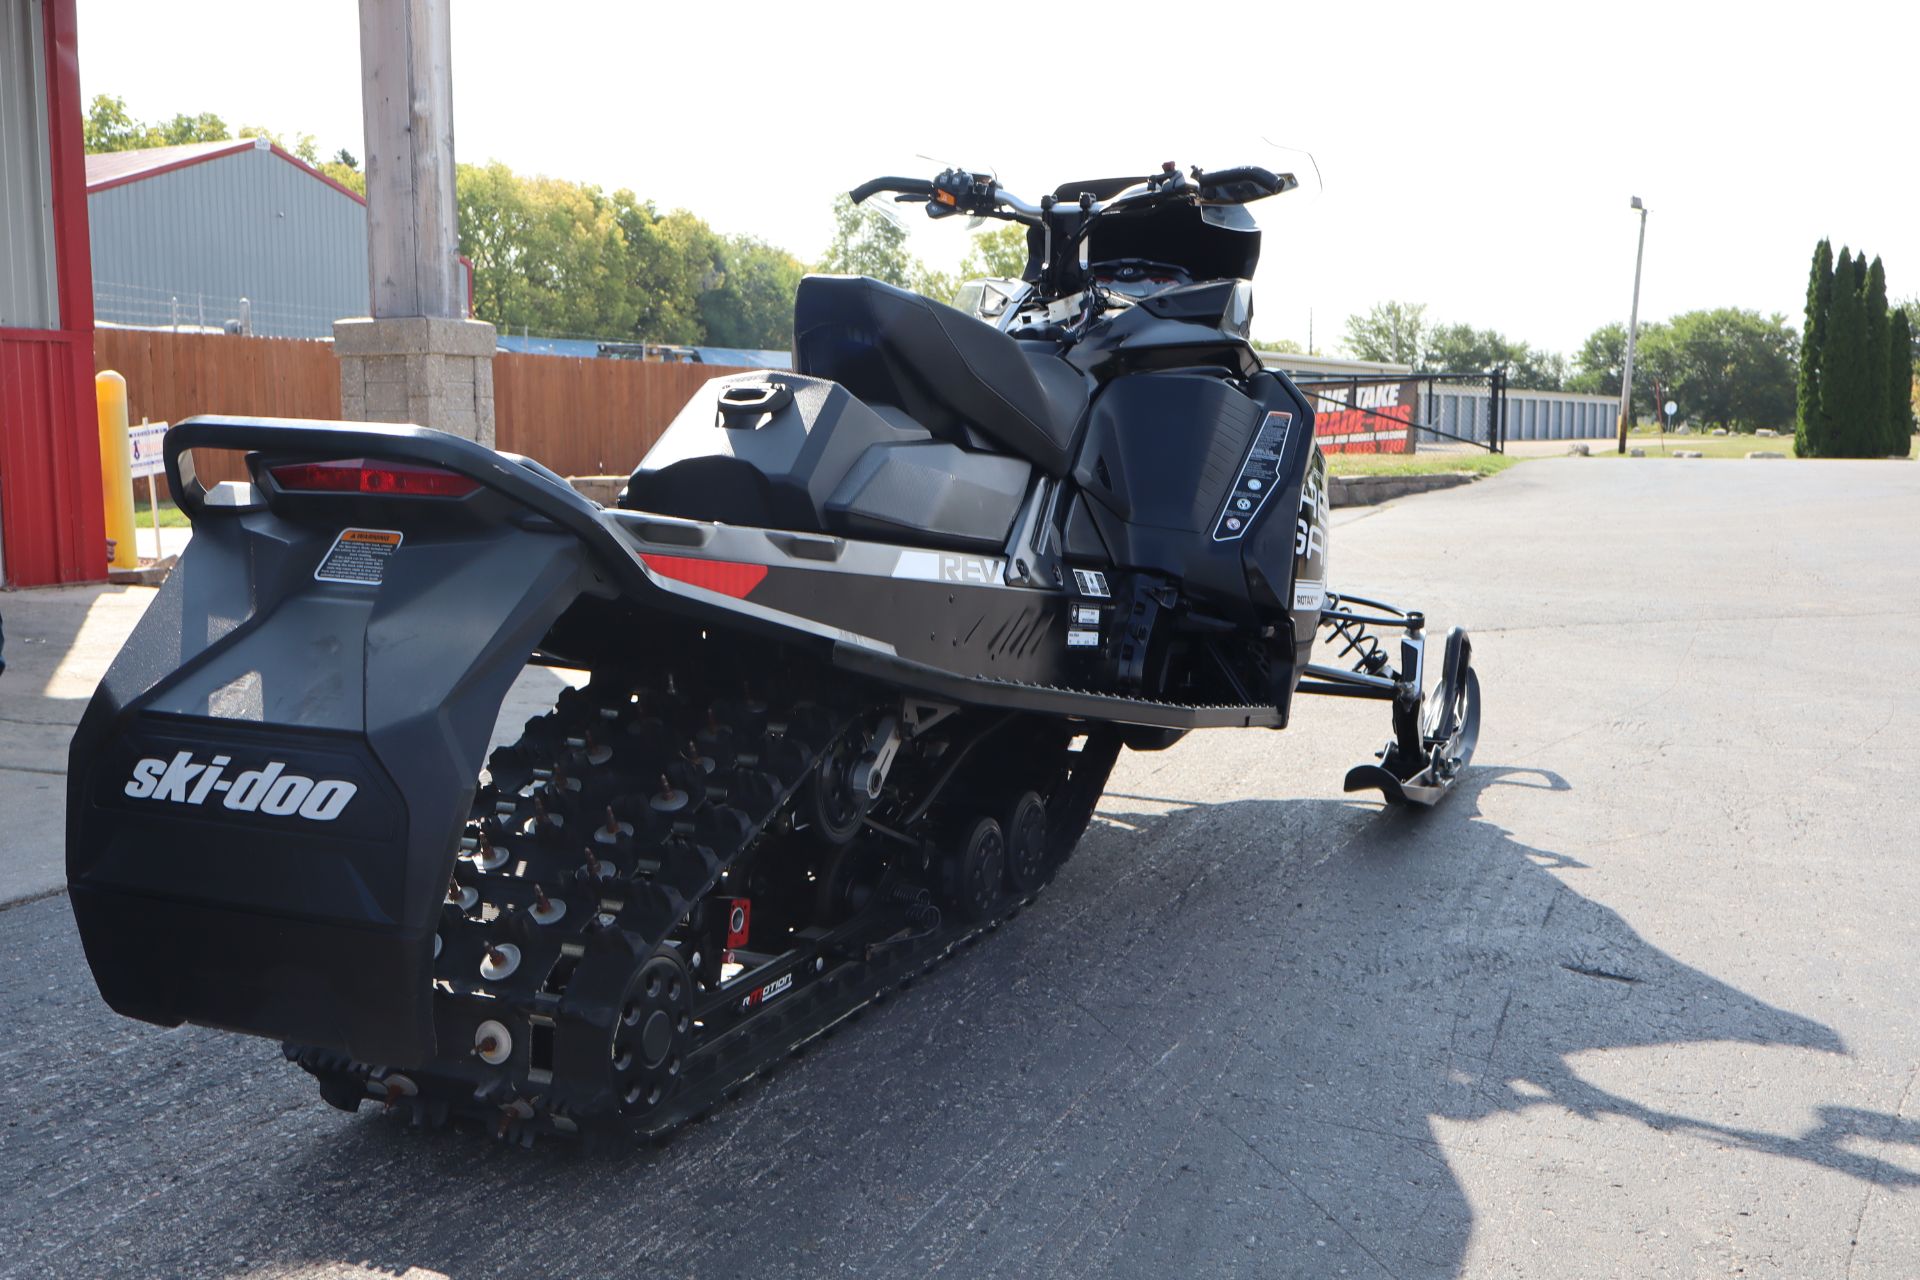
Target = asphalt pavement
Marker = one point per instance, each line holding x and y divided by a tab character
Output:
1637	1000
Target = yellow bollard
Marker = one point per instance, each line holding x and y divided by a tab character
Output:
116	467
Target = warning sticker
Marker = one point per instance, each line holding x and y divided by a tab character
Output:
359	556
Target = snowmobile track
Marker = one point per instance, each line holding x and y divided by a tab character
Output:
578	980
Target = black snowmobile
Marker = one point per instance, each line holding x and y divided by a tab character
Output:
865	640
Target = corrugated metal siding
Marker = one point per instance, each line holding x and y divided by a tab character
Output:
49	486
1531	415
27	287
248	225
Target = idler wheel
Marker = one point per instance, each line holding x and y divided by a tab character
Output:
834	805
972	873
653	1034
1028	866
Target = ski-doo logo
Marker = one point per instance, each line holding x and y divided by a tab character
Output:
269	789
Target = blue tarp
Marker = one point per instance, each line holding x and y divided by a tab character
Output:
744	358
589	348
538	346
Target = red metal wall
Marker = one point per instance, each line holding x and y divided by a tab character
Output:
51	514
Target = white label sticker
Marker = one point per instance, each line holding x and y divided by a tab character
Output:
1091	582
1309	595
359	556
1077	639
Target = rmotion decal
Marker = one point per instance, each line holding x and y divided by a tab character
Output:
766	993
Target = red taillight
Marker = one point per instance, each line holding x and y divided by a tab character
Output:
725	576
363	475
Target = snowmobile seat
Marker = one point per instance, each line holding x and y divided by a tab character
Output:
943	368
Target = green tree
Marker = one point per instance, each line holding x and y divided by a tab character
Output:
109	126
866	242
182	129
1394	332
1843	367
1877	428
1729	367
1001	253
1808	426
1461	348
344	168
925	281
1598	363
1900	384
752	306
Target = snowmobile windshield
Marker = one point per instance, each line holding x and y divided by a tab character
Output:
1207	242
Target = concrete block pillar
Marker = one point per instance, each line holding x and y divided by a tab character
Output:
421	369
417	358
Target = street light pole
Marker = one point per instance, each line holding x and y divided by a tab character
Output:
1633	330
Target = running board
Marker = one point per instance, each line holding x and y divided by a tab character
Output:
985	691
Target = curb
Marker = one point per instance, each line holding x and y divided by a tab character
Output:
1366	491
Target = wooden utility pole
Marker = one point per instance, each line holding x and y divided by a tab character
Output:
406	93
417	357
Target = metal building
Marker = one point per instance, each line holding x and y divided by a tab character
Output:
1531	415
51	526
236	235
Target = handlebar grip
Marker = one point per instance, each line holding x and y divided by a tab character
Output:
905	186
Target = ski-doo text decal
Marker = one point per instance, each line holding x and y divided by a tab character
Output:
947	566
269	789
359	557
1259	475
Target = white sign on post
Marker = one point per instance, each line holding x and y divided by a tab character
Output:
145	439
149	461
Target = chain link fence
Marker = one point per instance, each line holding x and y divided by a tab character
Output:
118	303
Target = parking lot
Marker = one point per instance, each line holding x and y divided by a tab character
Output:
1637	1000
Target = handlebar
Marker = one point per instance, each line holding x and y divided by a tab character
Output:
957	191
905	186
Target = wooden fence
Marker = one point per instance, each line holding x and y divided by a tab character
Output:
580	417
588	417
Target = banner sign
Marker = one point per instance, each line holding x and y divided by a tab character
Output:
1372	417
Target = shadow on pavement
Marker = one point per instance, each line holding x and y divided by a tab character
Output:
1221	1045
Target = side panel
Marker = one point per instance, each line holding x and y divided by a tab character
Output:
1193	477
